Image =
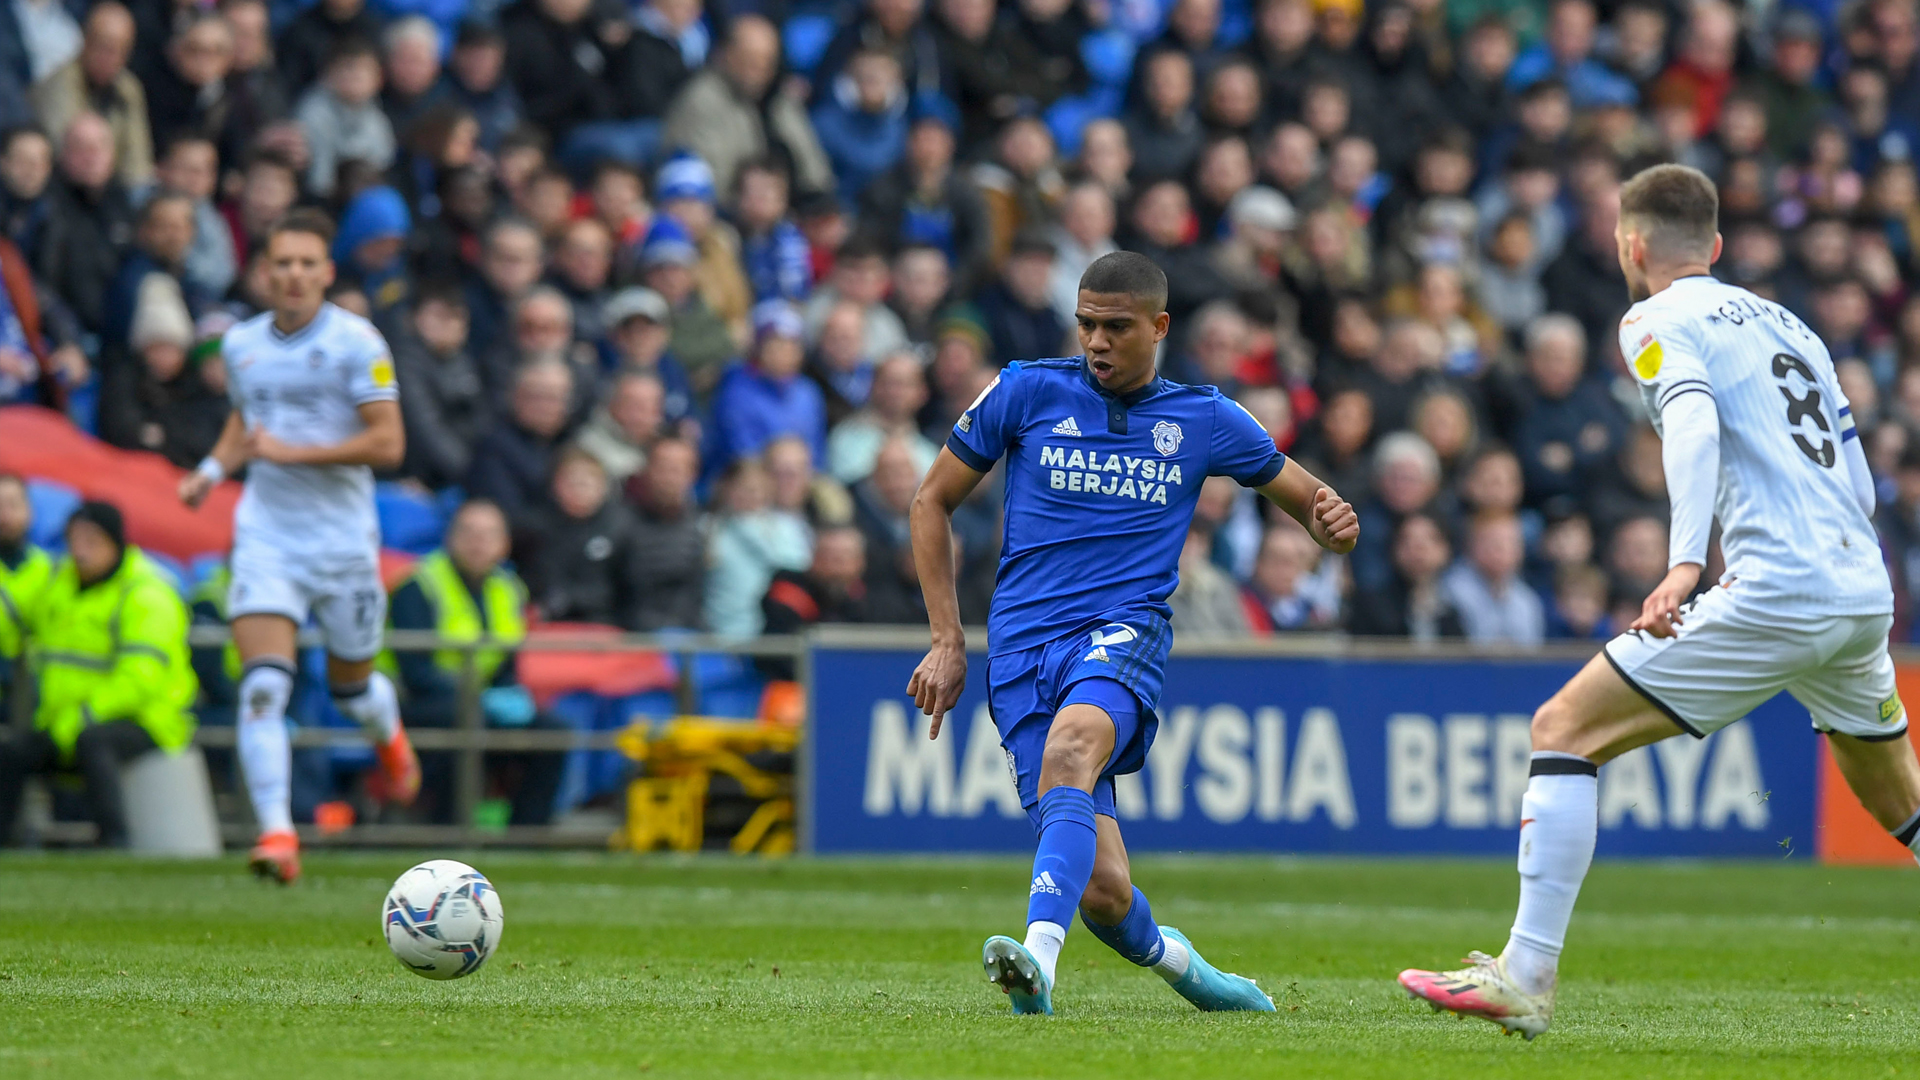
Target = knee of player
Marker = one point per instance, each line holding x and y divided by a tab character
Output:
1073	747
1553	724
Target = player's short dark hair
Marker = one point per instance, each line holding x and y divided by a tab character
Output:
1676	209
1127	272
304	219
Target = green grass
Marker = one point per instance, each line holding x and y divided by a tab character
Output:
711	967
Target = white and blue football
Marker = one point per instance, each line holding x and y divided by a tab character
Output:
442	919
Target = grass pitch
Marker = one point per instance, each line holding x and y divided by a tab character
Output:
711	967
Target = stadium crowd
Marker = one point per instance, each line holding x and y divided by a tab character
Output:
694	291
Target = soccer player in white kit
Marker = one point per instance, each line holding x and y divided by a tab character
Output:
315	411
1757	432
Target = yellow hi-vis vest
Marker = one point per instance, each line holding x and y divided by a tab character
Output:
457	619
115	650
21	591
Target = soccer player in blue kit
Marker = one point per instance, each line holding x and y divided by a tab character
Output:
1104	465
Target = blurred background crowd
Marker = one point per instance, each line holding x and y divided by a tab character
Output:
693	291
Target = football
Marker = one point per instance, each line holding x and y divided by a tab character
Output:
442	919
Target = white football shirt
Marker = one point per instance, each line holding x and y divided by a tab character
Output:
1793	536
305	389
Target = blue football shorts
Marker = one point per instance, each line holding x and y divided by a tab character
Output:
1116	666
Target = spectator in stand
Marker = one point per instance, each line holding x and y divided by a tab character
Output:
190	165
924	200
1406	367
25	572
1898	522
884	501
1496	606
1637	558
447	404
341	116
162	237
1206	603
513	460
174	409
818	499
1572	426
579	550
1216	345
1162	220
1509	289
1018	308
670	539
624	427
1579	609
773	253
1790	89
583	272
862	277
269	186
670	43
511	262
1568	55
26	171
412	48
922	286
1084	234
765	396
1164	131
840	364
476	81
1288	591
685	193
993	70
97	82
732	112
751	541
543	330
313	36
188	95
464	592
832	589
862	124
899	391
894	27
1585	280
559	55
639	325
1406	481
29	372
370	249
1414	602
701	341
617	196
257	93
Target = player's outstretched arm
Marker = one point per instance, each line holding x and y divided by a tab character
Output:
1327	517
381	442
937	682
227	455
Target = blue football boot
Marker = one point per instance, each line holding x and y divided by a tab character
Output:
1213	990
1014	970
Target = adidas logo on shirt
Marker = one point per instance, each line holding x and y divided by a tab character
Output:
1067	427
1044	884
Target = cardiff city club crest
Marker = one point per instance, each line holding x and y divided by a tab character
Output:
1166	437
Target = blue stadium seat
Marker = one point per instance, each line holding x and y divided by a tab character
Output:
725	685
1109	56
409	521
1068	118
203	567
52	504
806	37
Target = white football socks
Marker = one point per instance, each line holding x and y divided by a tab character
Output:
1043	941
375	706
266	752
1173	961
1909	834
1559	823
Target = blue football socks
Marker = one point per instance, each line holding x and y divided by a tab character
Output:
1064	860
1137	937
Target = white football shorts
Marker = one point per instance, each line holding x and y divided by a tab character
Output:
1728	659
347	601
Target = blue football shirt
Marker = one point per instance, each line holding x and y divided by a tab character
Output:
1100	490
